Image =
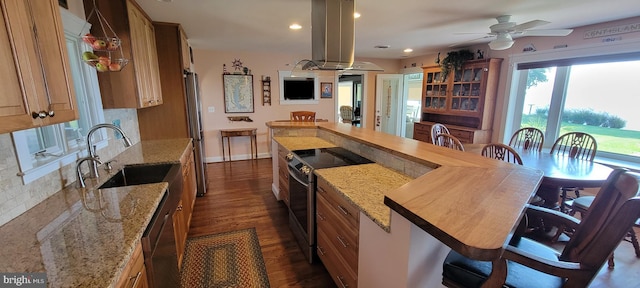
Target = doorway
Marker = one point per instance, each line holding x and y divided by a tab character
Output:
398	98
350	91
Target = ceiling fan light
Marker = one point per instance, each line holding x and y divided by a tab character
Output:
504	41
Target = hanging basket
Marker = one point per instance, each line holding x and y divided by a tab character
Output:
107	55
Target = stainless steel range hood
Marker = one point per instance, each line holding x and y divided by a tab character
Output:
333	38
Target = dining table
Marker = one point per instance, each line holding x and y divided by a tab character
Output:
558	171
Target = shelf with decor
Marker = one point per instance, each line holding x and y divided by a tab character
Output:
266	90
463	99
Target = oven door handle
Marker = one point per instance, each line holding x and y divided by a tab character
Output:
303	183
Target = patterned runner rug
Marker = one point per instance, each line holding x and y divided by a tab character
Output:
230	259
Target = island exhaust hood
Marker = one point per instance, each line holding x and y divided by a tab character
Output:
333	38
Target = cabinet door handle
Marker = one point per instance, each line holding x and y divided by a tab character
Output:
341	282
344	211
344	244
320	217
137	278
41	114
320	251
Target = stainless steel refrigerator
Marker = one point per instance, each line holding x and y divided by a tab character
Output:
195	129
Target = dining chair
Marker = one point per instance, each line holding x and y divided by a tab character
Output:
576	145
527	138
303	116
437	129
501	152
583	203
346	114
529	263
449	141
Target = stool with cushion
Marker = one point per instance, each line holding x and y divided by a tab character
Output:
528	263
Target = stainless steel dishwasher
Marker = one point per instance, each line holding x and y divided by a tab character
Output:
158	240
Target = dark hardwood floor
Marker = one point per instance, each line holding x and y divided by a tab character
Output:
239	196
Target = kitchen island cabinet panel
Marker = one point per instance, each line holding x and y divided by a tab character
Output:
337	226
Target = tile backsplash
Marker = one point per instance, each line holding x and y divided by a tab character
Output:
16	198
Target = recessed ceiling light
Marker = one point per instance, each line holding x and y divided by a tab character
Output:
295	26
408	50
165	0
356	15
382	46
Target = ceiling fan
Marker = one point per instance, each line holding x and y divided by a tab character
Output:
504	31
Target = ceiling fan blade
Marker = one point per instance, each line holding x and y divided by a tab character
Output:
547	32
529	25
470	41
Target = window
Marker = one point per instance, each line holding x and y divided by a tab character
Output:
592	94
43	150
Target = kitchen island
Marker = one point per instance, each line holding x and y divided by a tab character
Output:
82	237
456	201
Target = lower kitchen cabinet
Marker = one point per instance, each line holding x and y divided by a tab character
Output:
338	223
182	215
283	175
134	274
180	231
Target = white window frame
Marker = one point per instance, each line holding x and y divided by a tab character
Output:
88	98
513	104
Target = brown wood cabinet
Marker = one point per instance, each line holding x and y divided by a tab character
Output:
137	85
466	135
134	274
464	100
283	174
37	89
338	223
182	215
185	49
171	119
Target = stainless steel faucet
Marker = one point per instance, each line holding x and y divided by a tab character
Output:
93	172
93	160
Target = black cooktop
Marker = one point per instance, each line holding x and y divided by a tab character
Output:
329	157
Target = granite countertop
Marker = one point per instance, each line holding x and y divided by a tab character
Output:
365	186
299	143
83	237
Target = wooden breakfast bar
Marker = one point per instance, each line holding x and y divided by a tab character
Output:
463	202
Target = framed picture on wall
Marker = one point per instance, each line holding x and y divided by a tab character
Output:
238	93
326	89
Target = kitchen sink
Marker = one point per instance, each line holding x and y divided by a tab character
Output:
140	174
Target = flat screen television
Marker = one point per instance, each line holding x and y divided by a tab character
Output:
299	88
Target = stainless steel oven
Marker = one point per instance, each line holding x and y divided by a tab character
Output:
302	190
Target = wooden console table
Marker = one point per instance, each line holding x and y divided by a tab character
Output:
250	132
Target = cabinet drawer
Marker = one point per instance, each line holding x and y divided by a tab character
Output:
343	237
422	135
463	136
345	209
422	127
342	275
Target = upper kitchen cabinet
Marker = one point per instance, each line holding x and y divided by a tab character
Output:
464	100
37	88
171	119
137	85
185	50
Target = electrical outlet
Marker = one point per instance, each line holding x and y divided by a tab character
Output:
116	134
211	109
